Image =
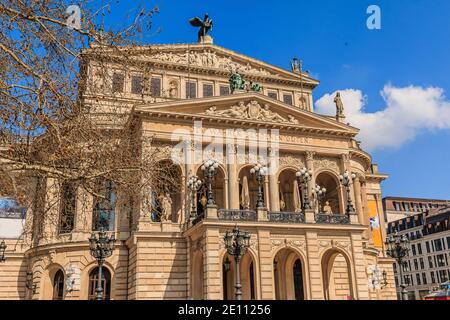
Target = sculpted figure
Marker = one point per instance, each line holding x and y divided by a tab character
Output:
339	105
211	111
166	206
292	119
327	208
173	89
267	114
205	26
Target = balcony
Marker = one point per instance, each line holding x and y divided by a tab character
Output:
332	218
286	217
236	215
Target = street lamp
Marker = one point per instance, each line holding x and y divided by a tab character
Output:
101	248
398	248
320	194
194	184
3	247
210	170
305	175
260	171
237	244
347	179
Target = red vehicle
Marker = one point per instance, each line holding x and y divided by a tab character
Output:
442	293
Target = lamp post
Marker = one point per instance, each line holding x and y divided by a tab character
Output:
347	179
305	175
398	248
101	248
237	244
260	171
320	194
3	247
194	184
210	170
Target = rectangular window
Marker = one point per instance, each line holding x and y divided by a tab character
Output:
136	84
406	205
397	206
287	98
440	260
448	242
419	248
104	208
272	95
224	90
418	279
118	82
208	90
443	275
422	264
430	262
413	248
424	278
416	264
191	90
155	87
427	244
438	245
68	207
433	279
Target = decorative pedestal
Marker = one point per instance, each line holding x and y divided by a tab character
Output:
262	214
354	219
340	119
310	216
206	39
166	226
211	212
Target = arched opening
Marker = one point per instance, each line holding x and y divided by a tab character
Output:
291	194
331	203
248	189
247	274
289	276
167	192
104	213
58	285
105	283
336	274
218	187
197	276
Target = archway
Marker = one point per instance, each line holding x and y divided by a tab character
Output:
288	187
167	185
58	285
337	276
197	275
247	181
333	196
289	275
247	274
218	187
105	282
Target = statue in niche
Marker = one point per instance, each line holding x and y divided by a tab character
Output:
166	207
327	208
173	89
339	105
303	102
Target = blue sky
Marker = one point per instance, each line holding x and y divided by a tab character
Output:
331	37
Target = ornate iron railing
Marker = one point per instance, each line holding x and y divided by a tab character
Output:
198	219
332	218
236	215
287	217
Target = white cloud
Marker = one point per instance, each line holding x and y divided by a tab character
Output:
408	111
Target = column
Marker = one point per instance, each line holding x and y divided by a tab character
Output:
265	266
357	196
314	267
310	166
233	183
211	265
266	193
274	193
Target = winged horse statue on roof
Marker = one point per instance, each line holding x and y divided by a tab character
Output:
205	25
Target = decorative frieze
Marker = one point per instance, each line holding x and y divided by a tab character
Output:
326	163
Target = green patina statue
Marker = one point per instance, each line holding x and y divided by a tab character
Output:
238	83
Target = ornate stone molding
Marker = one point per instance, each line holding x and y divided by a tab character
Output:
291	160
251	111
326	163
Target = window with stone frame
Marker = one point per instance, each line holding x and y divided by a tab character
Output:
208	90
105	284
287	98
155	87
118	82
58	285
191	90
224	90
68	207
103	216
136	84
273	95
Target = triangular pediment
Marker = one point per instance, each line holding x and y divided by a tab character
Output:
215	58
252	108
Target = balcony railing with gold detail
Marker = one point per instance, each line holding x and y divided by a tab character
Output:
332	218
286	217
236	215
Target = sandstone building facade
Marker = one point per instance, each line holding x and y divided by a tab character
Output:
293	254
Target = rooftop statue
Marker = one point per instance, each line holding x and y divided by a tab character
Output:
339	105
205	25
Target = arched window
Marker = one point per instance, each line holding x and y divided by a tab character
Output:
58	285
298	280
106	283
105	207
